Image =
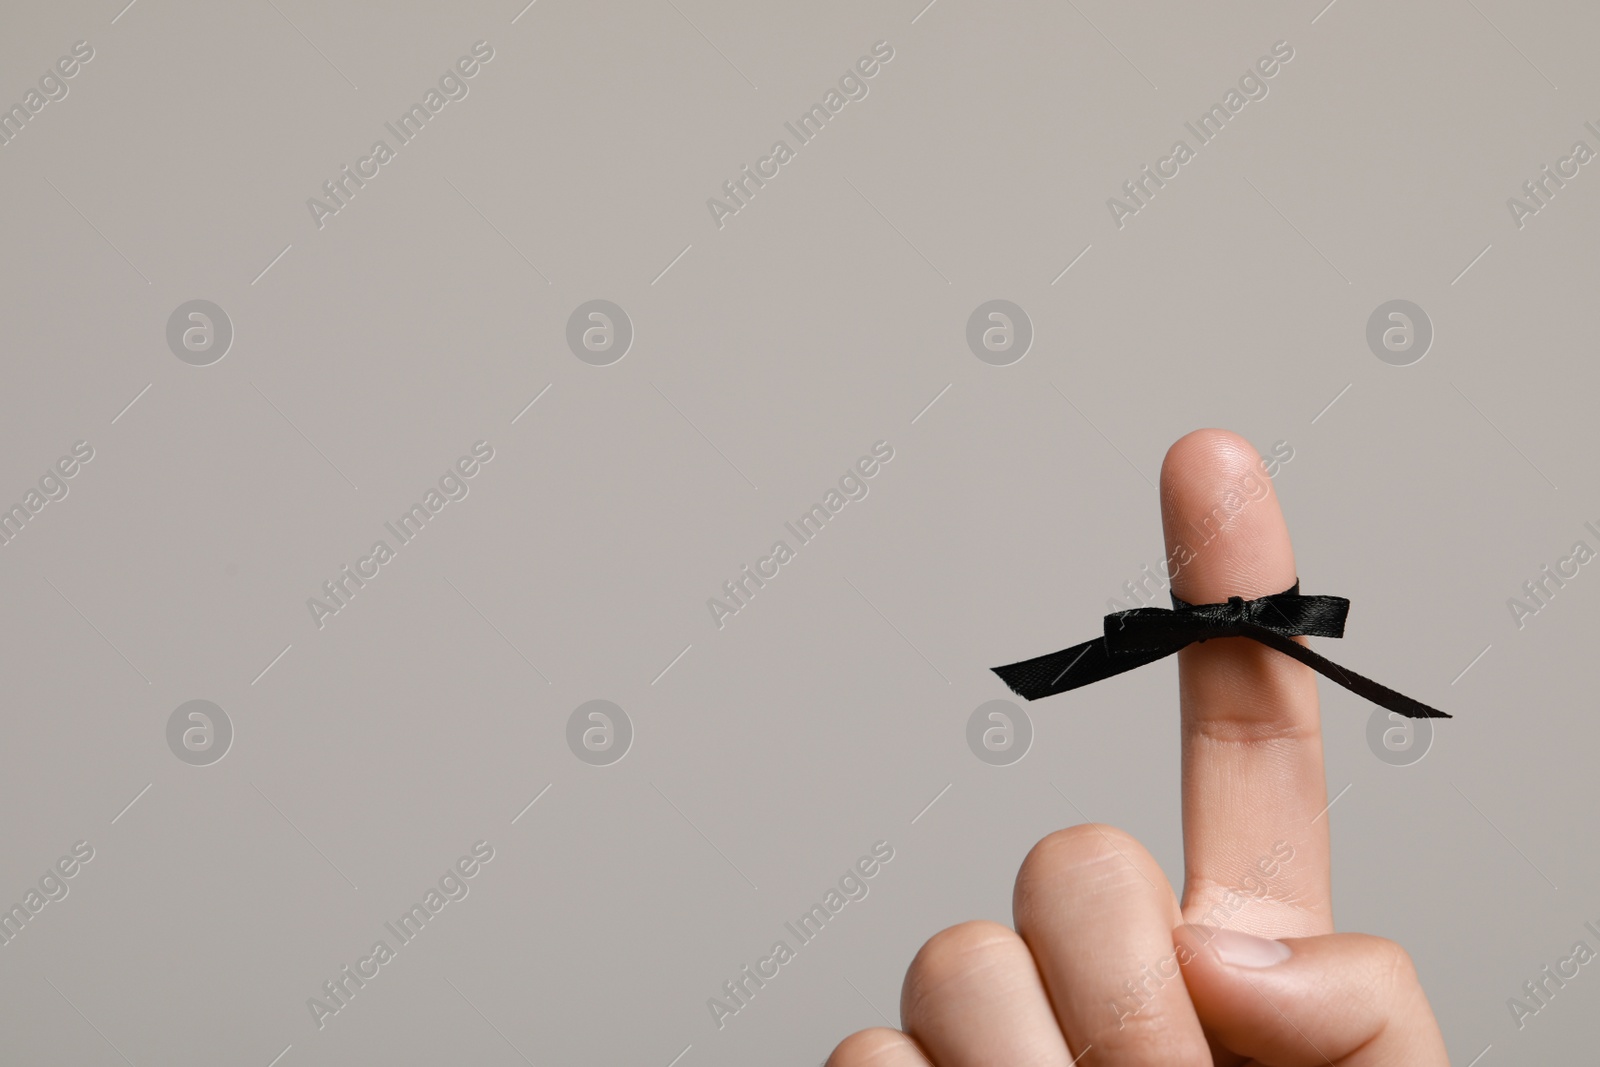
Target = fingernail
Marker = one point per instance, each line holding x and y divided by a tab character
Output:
1245	950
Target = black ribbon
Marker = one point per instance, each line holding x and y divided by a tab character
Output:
1144	635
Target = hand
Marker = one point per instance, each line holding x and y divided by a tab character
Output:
1106	967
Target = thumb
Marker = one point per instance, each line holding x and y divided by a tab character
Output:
1348	999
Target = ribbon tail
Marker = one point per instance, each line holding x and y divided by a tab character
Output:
1358	684
1079	665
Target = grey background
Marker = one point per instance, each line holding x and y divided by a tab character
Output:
824	317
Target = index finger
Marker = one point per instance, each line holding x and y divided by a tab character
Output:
1255	850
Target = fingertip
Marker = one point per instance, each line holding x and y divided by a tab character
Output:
1225	532
1209	446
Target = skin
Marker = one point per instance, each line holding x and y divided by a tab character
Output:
1226	977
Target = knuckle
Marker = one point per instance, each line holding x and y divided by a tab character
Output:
1257	718
957	954
1394	971
869	1048
1104	856
1076	847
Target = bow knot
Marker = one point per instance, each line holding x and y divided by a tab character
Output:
1143	635
1288	614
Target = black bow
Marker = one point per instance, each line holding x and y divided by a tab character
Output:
1144	635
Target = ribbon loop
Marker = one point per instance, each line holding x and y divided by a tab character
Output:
1143	635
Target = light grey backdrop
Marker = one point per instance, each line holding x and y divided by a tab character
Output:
372	351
